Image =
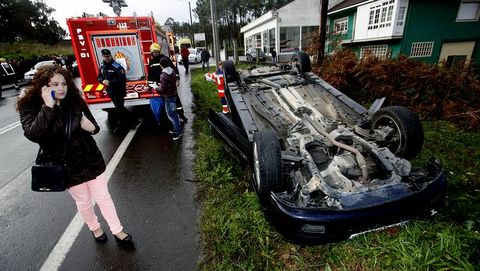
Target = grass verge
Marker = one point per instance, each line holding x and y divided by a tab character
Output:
236	236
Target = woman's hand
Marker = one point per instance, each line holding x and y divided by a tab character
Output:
47	96
86	124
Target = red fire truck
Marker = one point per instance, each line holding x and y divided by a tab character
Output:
129	40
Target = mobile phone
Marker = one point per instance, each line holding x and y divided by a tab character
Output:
52	93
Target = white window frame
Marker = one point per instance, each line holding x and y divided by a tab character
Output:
381	15
380	50
421	49
464	5
342	24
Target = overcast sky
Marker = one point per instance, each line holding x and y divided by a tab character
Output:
162	9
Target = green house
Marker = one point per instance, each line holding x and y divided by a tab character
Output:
429	30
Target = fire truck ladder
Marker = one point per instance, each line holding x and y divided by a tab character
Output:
146	38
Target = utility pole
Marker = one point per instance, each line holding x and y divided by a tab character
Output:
323	31
216	43
191	25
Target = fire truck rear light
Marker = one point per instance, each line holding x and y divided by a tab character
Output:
89	22
98	94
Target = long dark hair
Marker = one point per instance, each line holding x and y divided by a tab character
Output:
33	95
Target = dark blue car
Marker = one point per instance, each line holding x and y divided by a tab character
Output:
324	167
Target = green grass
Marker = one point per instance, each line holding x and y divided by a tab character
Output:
236	236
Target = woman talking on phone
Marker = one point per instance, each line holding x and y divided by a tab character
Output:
43	109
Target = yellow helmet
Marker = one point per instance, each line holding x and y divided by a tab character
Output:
2	59
155	47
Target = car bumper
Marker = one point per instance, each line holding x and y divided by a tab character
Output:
317	226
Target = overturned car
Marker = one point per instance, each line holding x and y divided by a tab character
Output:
324	167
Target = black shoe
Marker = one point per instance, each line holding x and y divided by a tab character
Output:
125	242
183	118
100	239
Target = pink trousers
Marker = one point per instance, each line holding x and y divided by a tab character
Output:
96	190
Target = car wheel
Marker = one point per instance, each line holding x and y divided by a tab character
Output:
301	61
267	163
229	71
406	139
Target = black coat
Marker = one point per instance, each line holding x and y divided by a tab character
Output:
46	126
115	74
205	55
155	70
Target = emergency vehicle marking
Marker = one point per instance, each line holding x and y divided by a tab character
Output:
81	40
131	88
115	41
88	88
122	26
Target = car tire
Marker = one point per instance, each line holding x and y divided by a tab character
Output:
301	61
266	163
229	71
407	139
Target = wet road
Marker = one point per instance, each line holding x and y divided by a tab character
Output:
150	184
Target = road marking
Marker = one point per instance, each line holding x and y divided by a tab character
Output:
57	255
9	127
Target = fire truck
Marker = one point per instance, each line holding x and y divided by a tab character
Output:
129	40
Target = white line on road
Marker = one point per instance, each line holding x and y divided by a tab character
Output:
9	127
57	255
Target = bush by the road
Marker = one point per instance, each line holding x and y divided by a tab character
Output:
432	91
28	54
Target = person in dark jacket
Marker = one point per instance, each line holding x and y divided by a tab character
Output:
168	90
43	109
154	71
112	75
205	55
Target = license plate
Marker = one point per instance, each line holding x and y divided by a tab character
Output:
132	95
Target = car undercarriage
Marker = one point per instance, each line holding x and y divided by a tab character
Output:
312	148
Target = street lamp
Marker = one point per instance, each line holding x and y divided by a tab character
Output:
116	5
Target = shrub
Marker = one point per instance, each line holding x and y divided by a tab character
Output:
434	92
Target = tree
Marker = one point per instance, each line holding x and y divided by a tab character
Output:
23	20
232	15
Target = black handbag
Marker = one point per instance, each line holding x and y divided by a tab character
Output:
49	177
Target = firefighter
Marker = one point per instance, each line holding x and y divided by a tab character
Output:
218	78
154	72
112	75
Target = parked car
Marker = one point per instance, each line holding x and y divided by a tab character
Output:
194	56
251	55
75	71
323	166
29	75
